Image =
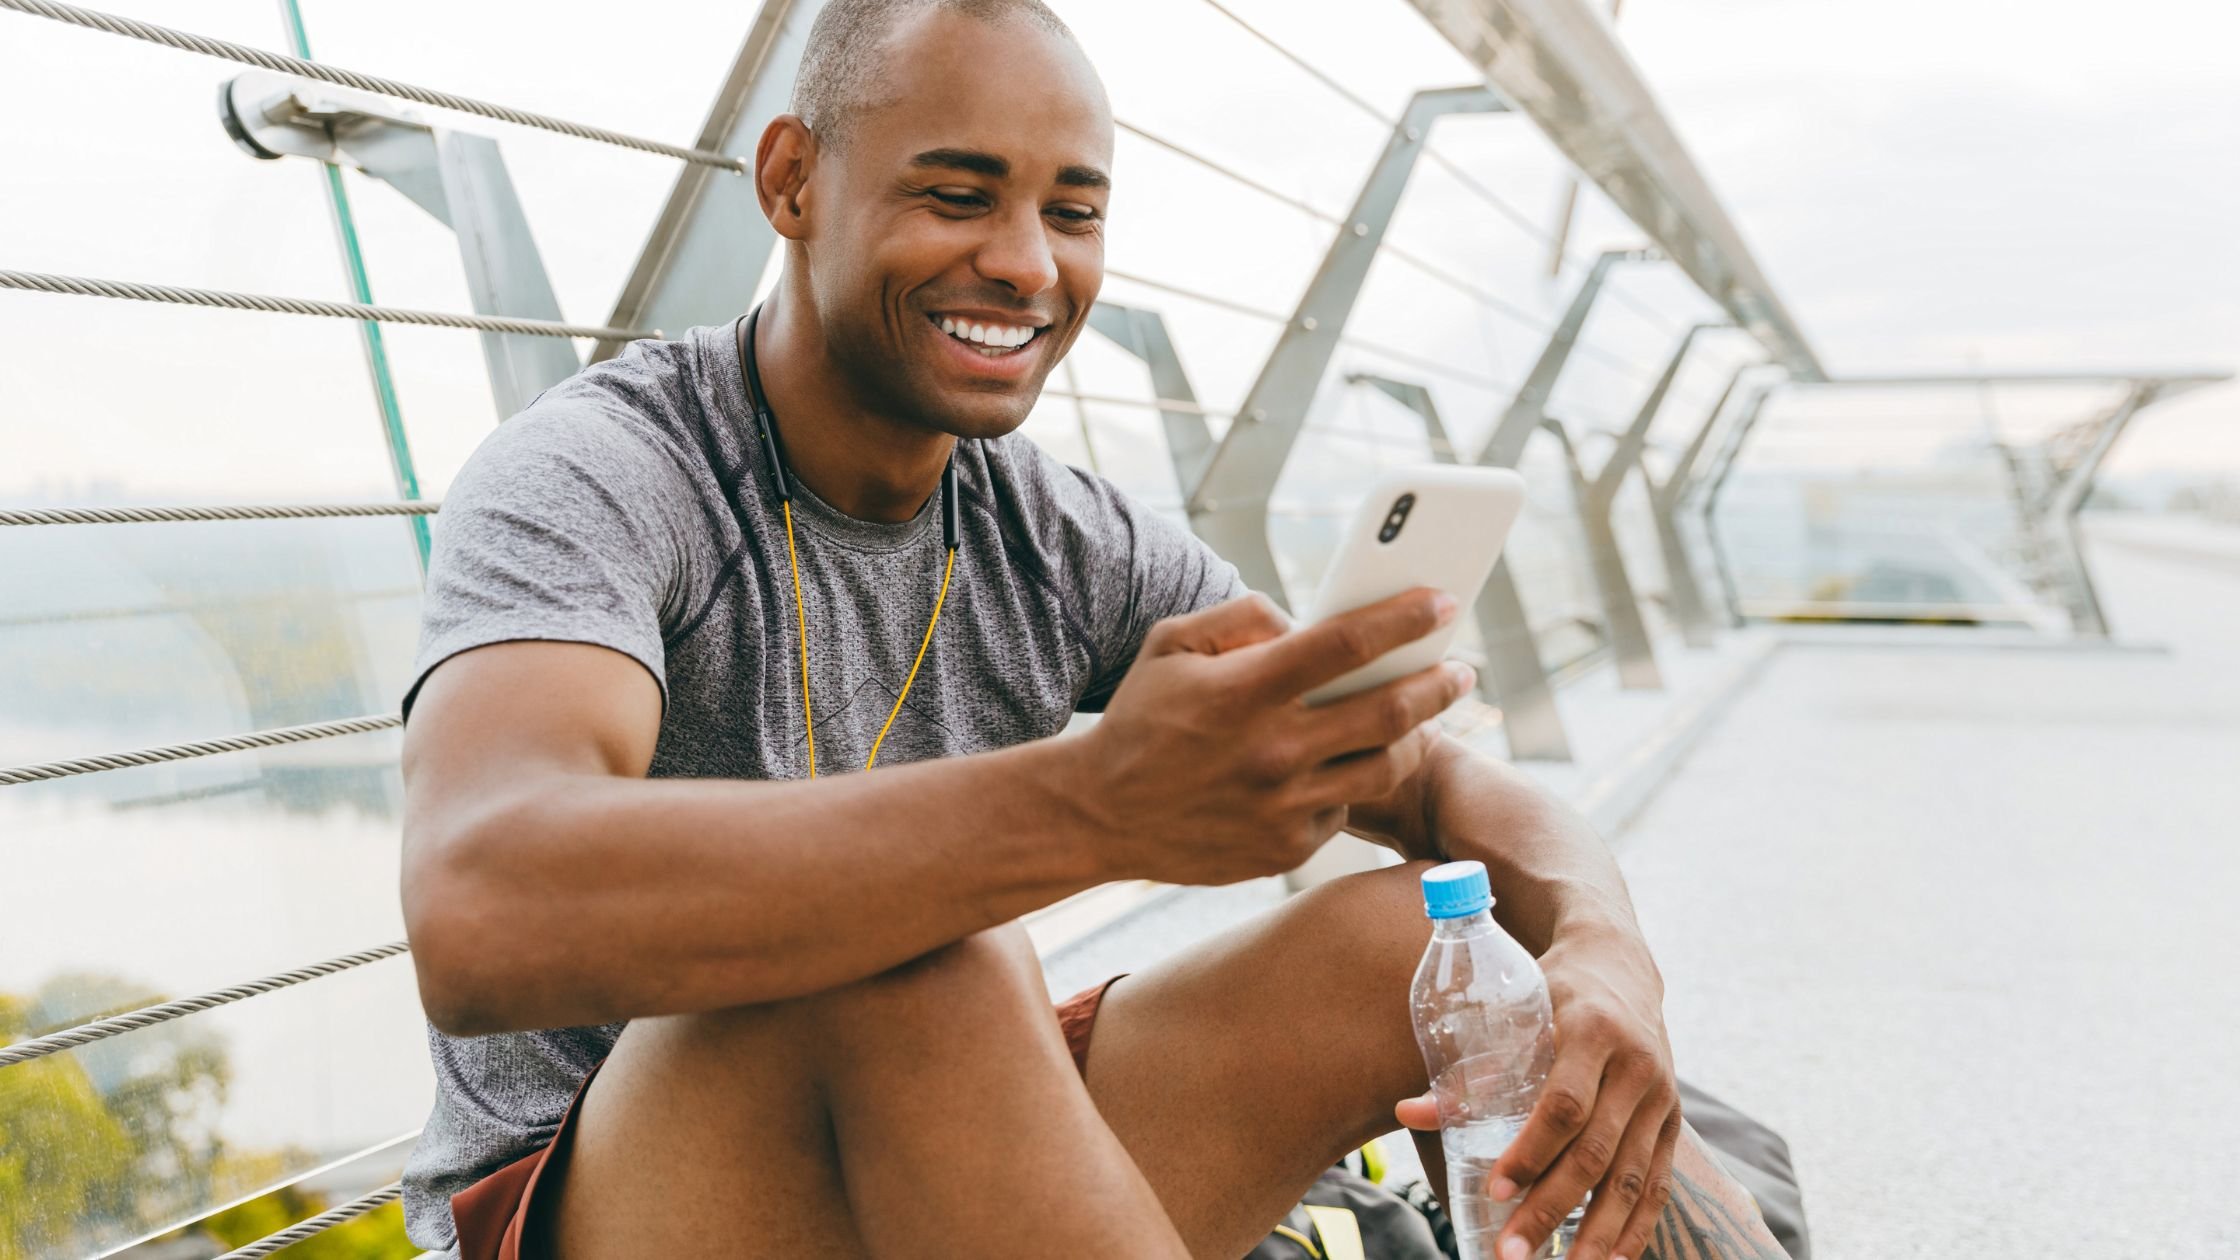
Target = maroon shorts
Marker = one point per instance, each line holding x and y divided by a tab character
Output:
493	1213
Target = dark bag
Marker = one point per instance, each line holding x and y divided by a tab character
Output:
1347	1215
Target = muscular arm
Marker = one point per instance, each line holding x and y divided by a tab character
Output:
1554	877
1608	1119
547	882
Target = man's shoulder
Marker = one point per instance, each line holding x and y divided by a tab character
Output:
626	421
648	377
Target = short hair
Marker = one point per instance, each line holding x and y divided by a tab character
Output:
847	51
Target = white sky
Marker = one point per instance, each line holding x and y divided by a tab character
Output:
1928	183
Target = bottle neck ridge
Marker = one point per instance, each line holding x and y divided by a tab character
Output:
1462	925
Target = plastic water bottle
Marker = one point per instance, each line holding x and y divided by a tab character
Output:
1488	1038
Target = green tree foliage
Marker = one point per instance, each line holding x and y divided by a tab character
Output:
378	1235
62	1152
98	1143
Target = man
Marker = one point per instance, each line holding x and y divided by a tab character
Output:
688	1000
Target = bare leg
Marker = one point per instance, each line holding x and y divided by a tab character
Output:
1241	1070
929	1111
932	1111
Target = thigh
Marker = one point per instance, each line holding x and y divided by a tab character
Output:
1238	1071
701	1136
928	1111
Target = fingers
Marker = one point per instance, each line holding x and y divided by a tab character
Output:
1634	1239
1607	1107
1312	655
1566	1103
1625	1189
1383	715
1249	618
1374	775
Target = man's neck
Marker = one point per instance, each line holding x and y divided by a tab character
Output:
861	461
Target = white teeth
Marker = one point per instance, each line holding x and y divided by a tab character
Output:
992	337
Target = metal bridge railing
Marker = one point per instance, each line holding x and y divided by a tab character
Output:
110	23
135	291
1319	325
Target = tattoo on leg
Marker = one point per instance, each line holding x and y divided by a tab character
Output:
1704	1223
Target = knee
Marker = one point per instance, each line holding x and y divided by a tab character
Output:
1373	922
983	973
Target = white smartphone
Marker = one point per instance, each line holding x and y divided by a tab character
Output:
1438	525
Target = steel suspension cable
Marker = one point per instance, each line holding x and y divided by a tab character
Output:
88	286
184	41
150	1016
1275	317
11	776
1366	106
319	1224
1421	263
215	512
1461	174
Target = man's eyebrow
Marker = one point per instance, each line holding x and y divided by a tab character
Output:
964	160
995	167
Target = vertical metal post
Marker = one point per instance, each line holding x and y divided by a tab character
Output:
1629	632
1499	599
710	244
1717	480
1229	506
1417	399
1681	591
505	273
1514	429
401	470
461	179
1580	485
1688	606
1144	334
1515	679
2067	498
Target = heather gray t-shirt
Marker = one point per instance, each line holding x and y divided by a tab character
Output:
629	507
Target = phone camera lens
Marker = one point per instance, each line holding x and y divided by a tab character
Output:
1395	518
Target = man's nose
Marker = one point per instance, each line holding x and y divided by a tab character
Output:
1017	254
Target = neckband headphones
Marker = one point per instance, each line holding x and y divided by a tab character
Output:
773	455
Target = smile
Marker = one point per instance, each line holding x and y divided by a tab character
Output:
992	340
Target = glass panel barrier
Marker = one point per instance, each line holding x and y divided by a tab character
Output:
115	637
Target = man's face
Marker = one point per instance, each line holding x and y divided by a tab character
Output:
956	240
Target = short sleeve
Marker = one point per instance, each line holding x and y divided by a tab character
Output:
557	528
1163	570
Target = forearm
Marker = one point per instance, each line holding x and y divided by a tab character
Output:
586	898
1709	1216
1552	876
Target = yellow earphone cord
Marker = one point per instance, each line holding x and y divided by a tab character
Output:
801	619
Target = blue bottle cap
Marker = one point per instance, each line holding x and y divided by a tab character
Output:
1456	889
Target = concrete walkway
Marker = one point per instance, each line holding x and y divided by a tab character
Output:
1960	922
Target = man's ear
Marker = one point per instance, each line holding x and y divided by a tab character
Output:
783	161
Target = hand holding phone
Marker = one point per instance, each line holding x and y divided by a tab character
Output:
1439	525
